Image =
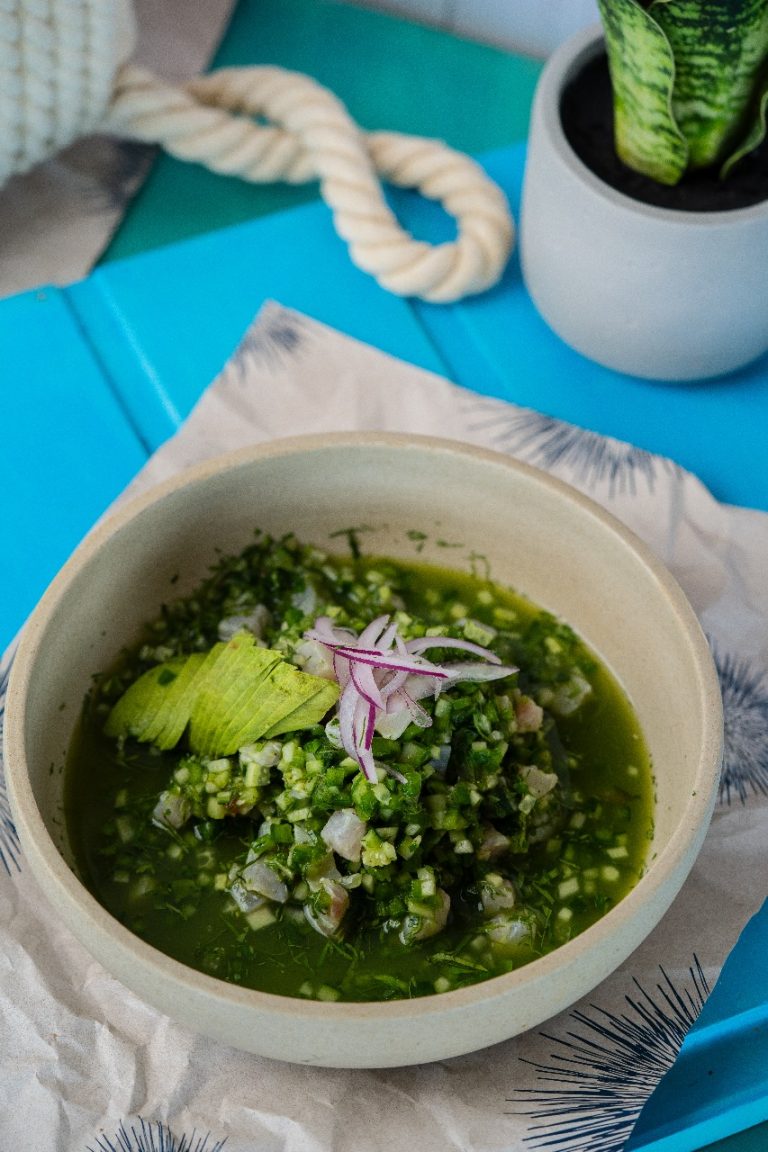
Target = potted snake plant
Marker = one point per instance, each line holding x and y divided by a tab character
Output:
644	219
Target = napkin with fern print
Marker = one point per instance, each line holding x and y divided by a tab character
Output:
85	1064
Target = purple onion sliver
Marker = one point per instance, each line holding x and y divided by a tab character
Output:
371	633
421	643
364	682
370	724
479	672
388	636
394	663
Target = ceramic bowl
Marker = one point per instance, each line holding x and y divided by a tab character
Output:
539	536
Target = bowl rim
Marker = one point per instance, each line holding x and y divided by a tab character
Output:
63	885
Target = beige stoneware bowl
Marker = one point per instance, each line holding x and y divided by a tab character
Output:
540	537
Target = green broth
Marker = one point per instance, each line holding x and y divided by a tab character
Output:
168	885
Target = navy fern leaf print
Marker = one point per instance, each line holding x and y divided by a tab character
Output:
10	852
276	337
148	1137
590	458
601	1073
745	713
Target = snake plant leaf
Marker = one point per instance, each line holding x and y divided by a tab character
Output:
720	48
754	137
642	67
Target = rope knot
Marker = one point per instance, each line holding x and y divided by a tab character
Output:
219	120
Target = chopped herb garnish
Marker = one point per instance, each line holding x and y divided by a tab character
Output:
353	778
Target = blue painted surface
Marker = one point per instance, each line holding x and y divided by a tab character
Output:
67	448
718	1084
166	322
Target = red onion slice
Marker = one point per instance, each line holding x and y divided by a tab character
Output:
380	674
421	643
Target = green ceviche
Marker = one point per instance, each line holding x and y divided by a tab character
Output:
357	778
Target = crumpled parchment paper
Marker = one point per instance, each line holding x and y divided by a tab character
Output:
80	1055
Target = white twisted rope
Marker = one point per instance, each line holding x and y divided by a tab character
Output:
310	135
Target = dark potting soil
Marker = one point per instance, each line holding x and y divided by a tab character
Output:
586	112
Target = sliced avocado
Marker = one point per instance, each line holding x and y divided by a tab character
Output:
218	686
284	692
199	667
156	708
306	714
226	699
179	703
230	696
262	662
144	707
290	694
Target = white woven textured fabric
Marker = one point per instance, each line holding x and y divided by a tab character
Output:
58	60
63	74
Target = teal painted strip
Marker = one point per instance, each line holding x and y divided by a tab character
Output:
751	1140
390	73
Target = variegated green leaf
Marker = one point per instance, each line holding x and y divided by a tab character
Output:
642	67
754	137
719	49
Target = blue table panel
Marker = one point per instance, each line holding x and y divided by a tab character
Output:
717	1086
165	322
67	448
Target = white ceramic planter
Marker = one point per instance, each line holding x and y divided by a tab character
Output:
653	292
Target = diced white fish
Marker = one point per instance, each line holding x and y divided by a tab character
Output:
570	696
256	621
497	894
315	659
537	782
265	755
541	830
493	844
508	929
171	811
528	714
328	921
333	733
391	725
259	877
246	901
422	927
440	761
403	707
343	833
305	600
322	869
